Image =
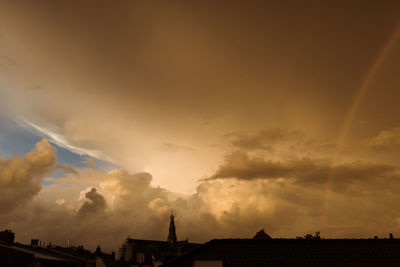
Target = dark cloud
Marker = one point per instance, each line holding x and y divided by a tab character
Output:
172	66
265	140
95	203
306	171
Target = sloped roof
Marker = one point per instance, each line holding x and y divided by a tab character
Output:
262	235
43	254
37	254
296	252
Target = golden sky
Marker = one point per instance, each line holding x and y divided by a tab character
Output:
239	115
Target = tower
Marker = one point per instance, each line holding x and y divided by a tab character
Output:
172	234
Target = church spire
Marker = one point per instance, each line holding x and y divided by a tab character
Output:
172	234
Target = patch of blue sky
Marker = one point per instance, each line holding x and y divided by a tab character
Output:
18	140
46	183
66	157
15	140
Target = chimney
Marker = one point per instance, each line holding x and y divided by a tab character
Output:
34	242
98	250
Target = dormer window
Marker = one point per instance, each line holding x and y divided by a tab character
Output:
139	257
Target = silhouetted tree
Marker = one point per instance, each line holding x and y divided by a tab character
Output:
317	236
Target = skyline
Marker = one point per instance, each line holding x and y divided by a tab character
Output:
239	116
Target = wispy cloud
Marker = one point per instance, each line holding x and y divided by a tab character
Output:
60	140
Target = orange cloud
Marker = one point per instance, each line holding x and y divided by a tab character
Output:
21	178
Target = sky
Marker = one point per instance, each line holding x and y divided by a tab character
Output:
238	115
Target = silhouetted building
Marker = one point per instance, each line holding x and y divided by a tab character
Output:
34	242
151	253
19	255
38	255
7	237
262	235
103	259
292	252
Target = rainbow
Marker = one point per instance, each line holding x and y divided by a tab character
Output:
355	104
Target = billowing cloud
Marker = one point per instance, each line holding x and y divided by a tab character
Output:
289	197
119	203
21	178
95	203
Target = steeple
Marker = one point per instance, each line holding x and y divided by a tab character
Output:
172	234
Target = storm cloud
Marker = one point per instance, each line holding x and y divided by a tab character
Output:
306	171
232	114
140	83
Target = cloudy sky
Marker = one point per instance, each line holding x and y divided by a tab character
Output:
239	115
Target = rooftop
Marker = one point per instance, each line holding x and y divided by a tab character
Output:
296	252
